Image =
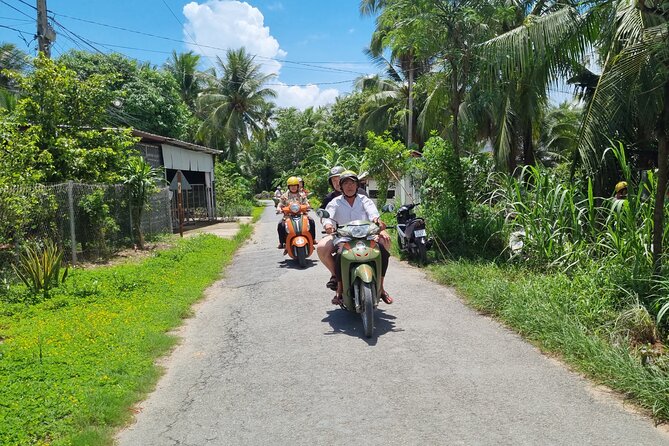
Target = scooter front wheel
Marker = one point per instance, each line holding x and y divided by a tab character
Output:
366	293
302	256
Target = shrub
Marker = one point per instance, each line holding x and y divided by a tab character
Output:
454	207
234	192
39	267
98	221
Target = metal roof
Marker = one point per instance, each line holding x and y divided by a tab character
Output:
146	136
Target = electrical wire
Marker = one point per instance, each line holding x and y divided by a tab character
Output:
194	42
17	20
286	61
17	10
76	36
91	44
28	4
81	42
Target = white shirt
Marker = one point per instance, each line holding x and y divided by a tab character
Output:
343	213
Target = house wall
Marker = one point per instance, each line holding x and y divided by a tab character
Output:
197	167
181	159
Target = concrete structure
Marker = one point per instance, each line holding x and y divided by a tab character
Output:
195	162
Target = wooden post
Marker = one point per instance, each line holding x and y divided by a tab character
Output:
73	233
45	34
180	207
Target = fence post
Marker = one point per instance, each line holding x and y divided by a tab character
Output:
132	229
73	235
168	208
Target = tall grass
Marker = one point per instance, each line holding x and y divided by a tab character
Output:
565	224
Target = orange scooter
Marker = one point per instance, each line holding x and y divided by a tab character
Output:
299	243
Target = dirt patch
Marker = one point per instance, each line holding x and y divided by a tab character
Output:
128	255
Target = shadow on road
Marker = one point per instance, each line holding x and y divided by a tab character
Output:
343	321
292	264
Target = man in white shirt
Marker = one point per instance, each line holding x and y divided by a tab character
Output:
344	209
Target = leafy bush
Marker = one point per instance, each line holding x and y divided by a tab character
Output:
234	192
454	207
385	160
99	221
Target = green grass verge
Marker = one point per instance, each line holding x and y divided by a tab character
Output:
572	317
72	366
256	213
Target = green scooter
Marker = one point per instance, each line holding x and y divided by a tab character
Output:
360	268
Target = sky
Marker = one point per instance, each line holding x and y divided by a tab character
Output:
315	47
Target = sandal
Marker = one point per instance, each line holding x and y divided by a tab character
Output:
332	283
386	297
338	299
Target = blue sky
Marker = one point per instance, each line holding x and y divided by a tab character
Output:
314	46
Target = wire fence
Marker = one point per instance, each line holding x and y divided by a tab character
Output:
89	221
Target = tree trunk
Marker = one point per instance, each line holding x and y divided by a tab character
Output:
662	166
139	233
512	160
528	147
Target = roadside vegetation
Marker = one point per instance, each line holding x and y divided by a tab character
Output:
72	364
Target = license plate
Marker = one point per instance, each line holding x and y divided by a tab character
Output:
419	233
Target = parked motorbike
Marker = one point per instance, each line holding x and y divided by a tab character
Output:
361	268
299	243
411	233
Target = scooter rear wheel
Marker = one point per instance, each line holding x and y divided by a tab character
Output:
422	250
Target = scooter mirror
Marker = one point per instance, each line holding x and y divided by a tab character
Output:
388	208
322	213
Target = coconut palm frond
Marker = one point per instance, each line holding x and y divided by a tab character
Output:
613	90
432	115
503	143
555	39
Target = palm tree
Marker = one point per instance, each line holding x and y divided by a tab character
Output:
232	104
255	160
183	68
12	60
558	134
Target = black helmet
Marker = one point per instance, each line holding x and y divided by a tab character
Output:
335	172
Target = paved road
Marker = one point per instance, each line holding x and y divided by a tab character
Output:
268	361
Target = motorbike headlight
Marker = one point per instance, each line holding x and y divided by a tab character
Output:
294	208
359	231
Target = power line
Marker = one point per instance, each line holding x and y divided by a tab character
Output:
17	10
111	45
20	33
28	4
79	40
83	40
17	20
186	31
120	28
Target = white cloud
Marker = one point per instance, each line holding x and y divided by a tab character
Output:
230	24
304	97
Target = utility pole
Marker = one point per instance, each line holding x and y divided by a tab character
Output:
45	33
